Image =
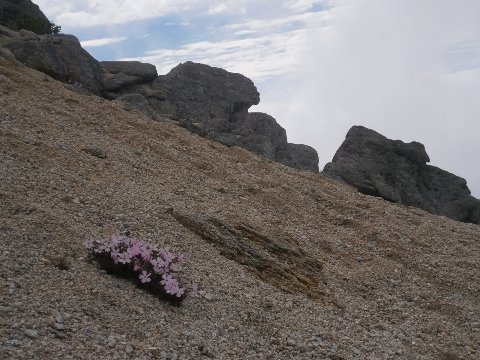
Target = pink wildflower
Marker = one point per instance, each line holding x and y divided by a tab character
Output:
144	277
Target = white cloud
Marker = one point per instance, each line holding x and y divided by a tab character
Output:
387	65
84	13
183	23
273	24
102	42
217	9
257	58
303	5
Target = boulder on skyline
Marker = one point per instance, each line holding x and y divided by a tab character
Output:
398	172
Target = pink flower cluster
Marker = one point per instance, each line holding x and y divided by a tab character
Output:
154	267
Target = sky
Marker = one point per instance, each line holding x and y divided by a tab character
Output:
407	69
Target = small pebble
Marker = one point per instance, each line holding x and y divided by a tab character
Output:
291	342
12	342
32	334
209	297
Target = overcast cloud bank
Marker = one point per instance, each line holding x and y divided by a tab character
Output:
407	69
393	67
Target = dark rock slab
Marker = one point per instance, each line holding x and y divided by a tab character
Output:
136	102
211	97
119	81
23	14
147	72
61	57
273	258
7	54
261	134
399	172
298	156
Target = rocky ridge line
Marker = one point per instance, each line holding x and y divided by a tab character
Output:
209	101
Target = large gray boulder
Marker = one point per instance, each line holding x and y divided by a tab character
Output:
61	57
298	156
147	72
121	75
211	97
23	14
398	172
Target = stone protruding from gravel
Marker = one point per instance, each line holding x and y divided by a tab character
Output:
276	260
32	334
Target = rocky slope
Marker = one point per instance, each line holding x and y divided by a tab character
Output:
209	101
291	264
399	172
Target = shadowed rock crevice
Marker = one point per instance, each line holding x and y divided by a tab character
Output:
273	259
398	172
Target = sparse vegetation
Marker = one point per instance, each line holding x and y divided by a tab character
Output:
55	29
153	268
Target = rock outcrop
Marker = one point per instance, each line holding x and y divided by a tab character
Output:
123	74
214	103
398	172
59	56
23	14
209	101
210	97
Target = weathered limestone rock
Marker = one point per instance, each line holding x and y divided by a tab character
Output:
23	14
398	172
121	75
214	103
210	97
147	72
59	56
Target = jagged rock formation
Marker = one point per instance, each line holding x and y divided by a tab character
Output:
214	103
59	56
23	14
398	172
209	101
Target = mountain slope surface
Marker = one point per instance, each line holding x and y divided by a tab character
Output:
291	264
